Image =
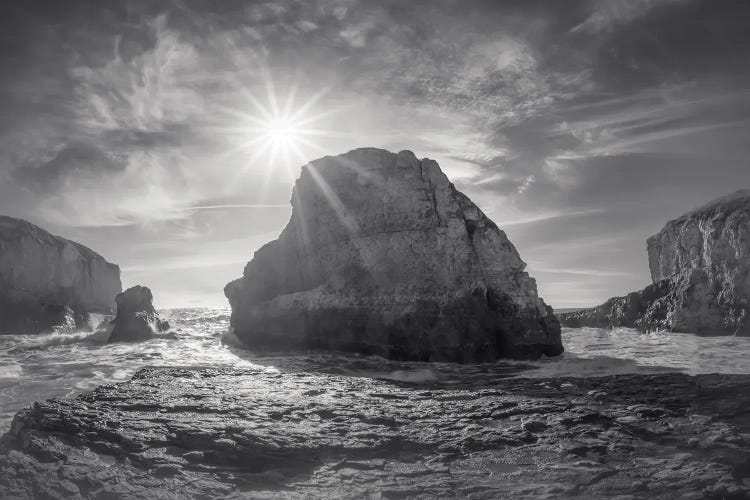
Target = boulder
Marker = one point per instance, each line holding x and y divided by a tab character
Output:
48	282
700	269
136	317
383	256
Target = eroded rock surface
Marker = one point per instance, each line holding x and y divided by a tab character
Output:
384	256
256	433
700	268
49	282
136	317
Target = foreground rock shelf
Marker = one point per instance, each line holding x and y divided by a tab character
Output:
239	433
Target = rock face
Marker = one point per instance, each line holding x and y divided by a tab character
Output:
259	433
700	268
136	317
383	256
47	281
628	311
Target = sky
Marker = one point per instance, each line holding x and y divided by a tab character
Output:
148	130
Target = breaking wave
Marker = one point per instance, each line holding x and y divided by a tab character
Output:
42	341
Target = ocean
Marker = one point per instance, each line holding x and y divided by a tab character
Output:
38	367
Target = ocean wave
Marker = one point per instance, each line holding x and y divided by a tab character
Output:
43	341
414	376
11	372
571	365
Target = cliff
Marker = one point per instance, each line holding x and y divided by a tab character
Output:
382	255
48	281
700	268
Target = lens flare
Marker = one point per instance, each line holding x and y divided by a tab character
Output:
282	133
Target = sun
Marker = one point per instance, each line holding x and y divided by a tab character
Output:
280	138
274	135
283	133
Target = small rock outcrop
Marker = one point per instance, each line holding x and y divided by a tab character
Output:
48	282
136	317
383	256
700	268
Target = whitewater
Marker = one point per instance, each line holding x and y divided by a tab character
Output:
38	367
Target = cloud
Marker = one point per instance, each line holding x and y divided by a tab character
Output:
606	14
121	156
550	216
238	206
71	164
584	272
144	93
564	120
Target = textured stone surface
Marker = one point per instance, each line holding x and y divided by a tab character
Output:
700	268
47	281
384	256
136	317
627	311
256	433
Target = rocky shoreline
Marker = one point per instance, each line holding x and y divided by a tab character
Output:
700	272
239	433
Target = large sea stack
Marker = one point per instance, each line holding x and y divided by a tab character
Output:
383	256
47	281
700	272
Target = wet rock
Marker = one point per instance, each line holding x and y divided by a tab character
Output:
384	256
238	433
534	426
136	317
700	268
50	283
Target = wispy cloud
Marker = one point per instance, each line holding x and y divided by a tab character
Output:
608	13
584	272
240	206
550	216
145	93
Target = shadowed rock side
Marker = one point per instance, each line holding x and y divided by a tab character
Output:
231	433
383	256
700	268
49	282
136	317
